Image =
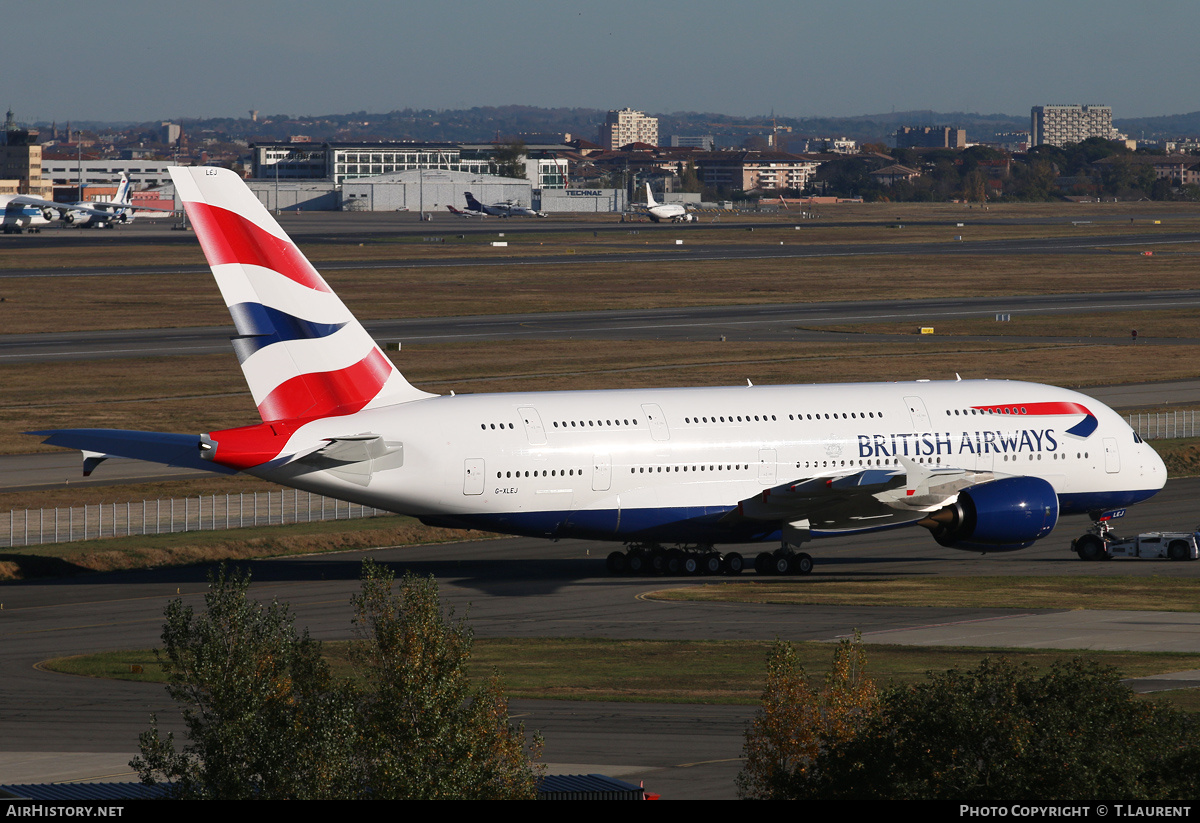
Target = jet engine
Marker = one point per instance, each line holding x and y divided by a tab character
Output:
1002	515
68	217
49	214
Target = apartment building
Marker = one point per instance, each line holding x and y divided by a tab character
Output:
627	126
1059	125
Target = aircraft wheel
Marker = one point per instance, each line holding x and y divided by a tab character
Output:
674	562
802	564
1178	550
658	561
1090	547
617	563
762	563
711	564
691	564
733	563
636	562
780	564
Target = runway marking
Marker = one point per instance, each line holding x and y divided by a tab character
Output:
714	323
215	348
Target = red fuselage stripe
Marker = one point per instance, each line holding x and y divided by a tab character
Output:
1057	407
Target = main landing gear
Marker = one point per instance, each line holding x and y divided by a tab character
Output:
651	558
784	560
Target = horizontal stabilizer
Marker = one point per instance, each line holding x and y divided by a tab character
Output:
181	450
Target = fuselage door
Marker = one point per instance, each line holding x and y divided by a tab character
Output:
658	421
533	426
1112	456
920	417
766	467
601	472
473	475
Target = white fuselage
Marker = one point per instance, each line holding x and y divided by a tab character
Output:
666	464
17	215
667	212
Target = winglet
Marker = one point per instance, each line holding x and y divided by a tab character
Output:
91	460
917	477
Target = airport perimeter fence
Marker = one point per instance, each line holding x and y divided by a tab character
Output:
1165	425
210	512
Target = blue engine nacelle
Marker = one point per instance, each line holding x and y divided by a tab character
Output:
1002	515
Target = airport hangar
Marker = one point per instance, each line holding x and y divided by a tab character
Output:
413	177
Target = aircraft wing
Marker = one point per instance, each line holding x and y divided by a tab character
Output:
871	498
109	208
39	203
97	445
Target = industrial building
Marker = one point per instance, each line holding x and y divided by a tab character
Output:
144	174
340	162
424	177
430	191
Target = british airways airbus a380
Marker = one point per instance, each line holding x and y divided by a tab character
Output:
984	465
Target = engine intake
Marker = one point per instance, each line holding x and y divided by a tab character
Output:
1002	515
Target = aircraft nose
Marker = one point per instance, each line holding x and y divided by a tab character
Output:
1154	467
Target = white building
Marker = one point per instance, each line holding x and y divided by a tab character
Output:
343	162
627	126
1059	125
144	174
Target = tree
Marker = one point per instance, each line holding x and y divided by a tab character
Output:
266	719
795	724
425	732
689	179
509	159
1002	732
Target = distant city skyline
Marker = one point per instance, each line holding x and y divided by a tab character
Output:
139	61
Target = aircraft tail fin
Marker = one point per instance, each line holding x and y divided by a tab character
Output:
650	201
301	350
123	190
472	203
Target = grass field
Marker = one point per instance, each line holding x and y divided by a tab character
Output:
1157	593
172	299
185	548
710	671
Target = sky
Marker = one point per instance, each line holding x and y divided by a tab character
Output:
135	60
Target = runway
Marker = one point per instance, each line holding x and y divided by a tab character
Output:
57	725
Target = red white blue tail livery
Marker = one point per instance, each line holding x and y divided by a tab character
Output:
304	355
